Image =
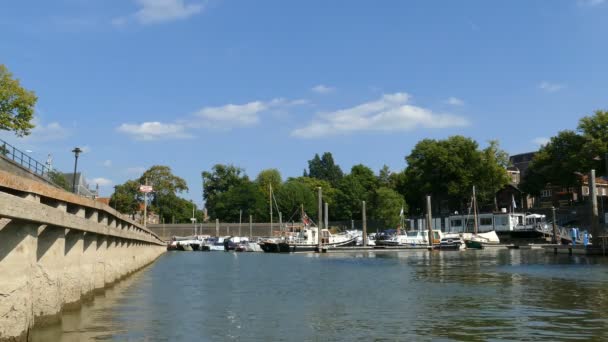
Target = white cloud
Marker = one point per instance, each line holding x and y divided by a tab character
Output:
159	11
51	132
390	113
541	141
231	115
154	131
322	89
454	101
107	163
550	87
100	181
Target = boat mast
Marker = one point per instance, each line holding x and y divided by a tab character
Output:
270	201
474	211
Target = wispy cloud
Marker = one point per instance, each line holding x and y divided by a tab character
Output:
454	101
101	181
223	117
322	89
45	133
160	11
107	163
154	130
550	87
591	2
540	141
392	112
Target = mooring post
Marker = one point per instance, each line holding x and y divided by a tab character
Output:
320	221
326	216
364	218
594	214
554	239
217	227
428	221
250	226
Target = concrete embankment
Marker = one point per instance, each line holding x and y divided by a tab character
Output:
56	249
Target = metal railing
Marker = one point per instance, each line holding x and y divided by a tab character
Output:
16	155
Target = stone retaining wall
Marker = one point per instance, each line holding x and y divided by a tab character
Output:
56	248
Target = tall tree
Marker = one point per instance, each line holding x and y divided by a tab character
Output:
219	180
387	206
164	199
16	104
245	196
126	197
359	185
384	176
269	177
448	169
594	128
492	173
325	168
559	162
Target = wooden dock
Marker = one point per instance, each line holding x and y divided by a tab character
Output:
575	250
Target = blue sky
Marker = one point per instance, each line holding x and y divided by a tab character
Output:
268	83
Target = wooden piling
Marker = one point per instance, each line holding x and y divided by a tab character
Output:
364	218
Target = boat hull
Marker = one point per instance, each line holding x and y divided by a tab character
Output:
473	244
284	247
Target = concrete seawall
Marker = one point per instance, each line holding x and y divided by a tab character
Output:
56	249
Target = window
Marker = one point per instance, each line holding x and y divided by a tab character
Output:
485	221
545	193
585	191
456	223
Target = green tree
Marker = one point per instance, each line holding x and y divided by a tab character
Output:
594	128
559	162
58	179
126	197
448	169
324	168
492	173
269	177
359	185
16	104
384	176
246	196
219	180
294	194
164	200
387	206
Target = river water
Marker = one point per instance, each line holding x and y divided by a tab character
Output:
392	296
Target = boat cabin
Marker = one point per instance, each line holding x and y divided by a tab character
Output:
486	222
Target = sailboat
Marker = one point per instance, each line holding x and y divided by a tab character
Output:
307	239
478	240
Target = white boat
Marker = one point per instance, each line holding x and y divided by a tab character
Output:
412	238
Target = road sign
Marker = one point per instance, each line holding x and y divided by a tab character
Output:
145	188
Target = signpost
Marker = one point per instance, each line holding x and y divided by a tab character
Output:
146	189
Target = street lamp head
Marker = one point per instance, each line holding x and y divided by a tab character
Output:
76	151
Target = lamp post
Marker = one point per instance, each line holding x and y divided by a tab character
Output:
76	152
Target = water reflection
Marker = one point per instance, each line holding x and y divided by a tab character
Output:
470	296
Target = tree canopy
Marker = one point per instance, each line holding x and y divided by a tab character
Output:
16	104
448	169
324	168
570	153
